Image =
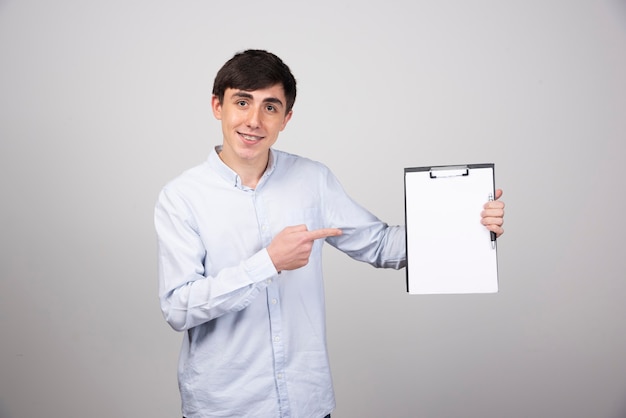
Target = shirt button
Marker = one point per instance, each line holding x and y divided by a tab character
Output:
280	375
274	301
276	339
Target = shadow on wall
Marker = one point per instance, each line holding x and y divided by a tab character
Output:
617	9
622	409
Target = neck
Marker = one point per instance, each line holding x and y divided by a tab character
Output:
250	179
250	172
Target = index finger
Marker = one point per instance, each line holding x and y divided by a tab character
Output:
324	232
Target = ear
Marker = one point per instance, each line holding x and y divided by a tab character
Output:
216	106
287	118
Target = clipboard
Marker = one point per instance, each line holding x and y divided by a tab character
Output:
449	251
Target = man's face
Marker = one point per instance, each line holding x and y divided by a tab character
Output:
251	122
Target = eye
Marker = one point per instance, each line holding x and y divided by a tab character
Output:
271	108
241	103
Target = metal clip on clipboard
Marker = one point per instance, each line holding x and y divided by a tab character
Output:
449	171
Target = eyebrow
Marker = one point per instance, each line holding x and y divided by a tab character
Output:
246	95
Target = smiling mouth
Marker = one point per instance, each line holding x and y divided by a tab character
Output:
250	137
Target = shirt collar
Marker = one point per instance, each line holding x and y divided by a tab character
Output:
229	175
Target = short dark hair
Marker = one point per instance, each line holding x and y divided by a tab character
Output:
255	69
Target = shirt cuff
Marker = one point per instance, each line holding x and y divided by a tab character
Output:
260	266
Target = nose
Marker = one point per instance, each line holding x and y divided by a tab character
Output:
254	117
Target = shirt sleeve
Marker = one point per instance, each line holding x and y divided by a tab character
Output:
189	298
365	237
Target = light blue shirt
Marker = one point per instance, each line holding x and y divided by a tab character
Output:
255	343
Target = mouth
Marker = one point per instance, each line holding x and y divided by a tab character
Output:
250	138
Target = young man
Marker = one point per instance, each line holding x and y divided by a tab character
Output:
240	244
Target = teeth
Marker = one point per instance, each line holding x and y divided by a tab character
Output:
250	137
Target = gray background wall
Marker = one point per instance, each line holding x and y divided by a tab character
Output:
102	102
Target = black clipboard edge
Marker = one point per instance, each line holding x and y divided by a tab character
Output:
448	166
